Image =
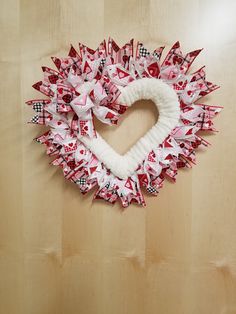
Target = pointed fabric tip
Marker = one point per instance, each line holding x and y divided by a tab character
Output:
158	52
159	49
201	70
203	141
37	101
34	120
37	85
42	117
42	138
176	45
28	102
36	140
208	88
189	58
83	48
57	62
43	88
130	42
141	51
73	53
47	71
112	47
195	52
102	44
174	56
210	106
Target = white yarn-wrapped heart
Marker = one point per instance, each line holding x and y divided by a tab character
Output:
167	103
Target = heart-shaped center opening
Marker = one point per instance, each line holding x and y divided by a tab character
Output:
166	101
134	124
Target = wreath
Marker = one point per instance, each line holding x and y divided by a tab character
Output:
103	83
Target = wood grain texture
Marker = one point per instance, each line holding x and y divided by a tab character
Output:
62	254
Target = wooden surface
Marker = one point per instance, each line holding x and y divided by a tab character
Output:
62	254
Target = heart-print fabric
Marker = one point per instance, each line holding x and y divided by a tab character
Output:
102	84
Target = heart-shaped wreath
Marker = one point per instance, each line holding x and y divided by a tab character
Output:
104	83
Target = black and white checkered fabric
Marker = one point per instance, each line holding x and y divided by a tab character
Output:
81	181
35	119
151	189
38	107
157	55
103	62
143	52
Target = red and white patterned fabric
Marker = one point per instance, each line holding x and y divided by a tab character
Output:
87	84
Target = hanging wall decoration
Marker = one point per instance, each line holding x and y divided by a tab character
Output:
102	84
